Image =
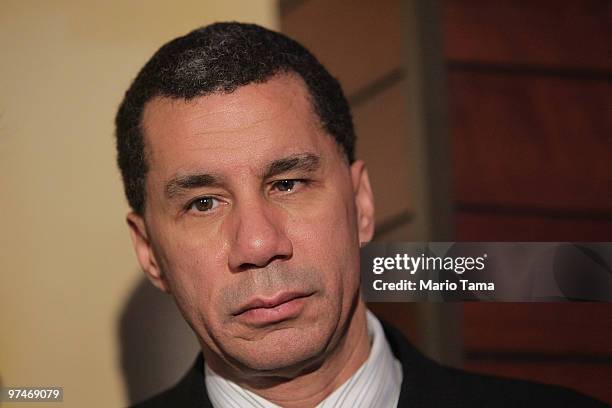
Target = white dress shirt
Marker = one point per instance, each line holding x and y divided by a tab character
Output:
376	384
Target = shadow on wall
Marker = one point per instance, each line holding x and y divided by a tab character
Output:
156	344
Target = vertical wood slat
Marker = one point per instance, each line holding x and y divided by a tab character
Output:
428	157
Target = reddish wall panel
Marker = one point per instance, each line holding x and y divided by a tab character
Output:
531	129
546	328
555	33
588	378
480	226
531	141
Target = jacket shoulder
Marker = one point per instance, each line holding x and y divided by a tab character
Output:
166	398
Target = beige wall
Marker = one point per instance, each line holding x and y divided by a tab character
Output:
66	264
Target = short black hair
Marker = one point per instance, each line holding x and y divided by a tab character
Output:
219	58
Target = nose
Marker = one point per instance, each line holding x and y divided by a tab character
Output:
258	236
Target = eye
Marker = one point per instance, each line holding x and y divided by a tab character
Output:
203	204
286	186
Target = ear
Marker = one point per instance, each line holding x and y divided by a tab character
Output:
144	251
364	201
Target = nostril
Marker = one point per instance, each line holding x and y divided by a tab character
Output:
248	266
279	257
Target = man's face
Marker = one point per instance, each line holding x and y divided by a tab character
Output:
253	222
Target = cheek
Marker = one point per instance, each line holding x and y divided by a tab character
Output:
329	237
193	268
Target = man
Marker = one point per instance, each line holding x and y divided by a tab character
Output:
237	154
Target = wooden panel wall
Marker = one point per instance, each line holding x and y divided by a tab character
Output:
530	89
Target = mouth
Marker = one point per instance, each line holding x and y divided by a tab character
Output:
263	311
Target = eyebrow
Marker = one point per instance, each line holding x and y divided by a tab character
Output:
307	162
177	185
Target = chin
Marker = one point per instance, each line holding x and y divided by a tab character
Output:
286	352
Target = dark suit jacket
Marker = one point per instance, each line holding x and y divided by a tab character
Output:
425	384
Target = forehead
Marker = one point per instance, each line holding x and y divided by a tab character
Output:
250	125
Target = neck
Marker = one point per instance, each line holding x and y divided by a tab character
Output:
310	389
